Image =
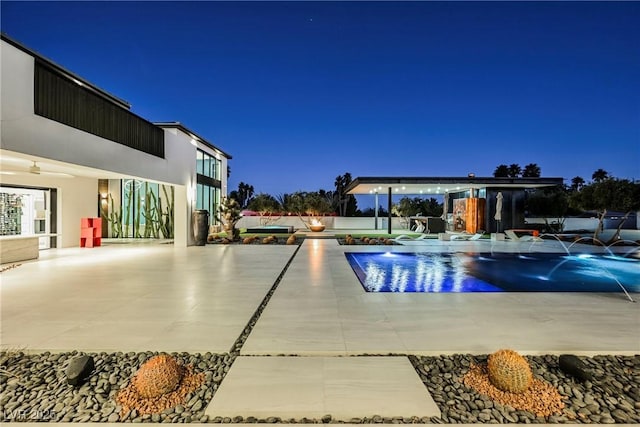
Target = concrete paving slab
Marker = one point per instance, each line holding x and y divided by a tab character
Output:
344	387
137	297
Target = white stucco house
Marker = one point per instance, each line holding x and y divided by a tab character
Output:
70	150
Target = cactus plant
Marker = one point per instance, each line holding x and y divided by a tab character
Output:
509	371
166	217
150	213
157	376
114	217
128	207
136	214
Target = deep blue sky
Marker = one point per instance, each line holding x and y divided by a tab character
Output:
300	92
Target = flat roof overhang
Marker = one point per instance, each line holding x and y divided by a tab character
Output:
18	164
442	185
193	135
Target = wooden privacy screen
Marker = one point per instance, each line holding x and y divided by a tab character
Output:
474	218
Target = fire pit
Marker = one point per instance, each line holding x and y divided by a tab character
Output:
316	226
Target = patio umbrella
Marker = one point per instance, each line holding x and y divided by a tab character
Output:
445	206
498	215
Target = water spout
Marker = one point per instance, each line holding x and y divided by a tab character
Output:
557	238
586	257
595	241
624	241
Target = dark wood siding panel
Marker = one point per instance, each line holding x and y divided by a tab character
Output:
57	98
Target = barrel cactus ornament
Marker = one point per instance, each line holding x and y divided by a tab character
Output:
158	376
509	371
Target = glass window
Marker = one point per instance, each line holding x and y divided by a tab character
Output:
199	196
200	162
216	172
142	187
128	189
143	207
207	165
205	198
216	204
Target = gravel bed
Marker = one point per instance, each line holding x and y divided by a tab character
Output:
612	397
257	241
33	388
360	242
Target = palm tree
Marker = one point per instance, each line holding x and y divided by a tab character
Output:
501	171
600	175
244	194
532	170
341	201
577	182
514	170
349	201
340	186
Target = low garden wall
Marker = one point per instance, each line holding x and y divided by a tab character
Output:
331	222
589	224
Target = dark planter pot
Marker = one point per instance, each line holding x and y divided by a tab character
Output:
200	220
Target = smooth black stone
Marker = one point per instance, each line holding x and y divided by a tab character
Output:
575	367
79	369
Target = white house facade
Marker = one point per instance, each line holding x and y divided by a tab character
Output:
69	150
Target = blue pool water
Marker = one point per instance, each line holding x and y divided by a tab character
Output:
485	272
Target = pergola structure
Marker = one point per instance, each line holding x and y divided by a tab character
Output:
455	187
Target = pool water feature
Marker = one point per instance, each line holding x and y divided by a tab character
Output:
494	272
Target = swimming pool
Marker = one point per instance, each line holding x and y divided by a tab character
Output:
487	272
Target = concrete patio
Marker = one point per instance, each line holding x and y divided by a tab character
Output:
199	299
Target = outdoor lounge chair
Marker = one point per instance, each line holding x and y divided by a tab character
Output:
422	239
404	237
476	236
511	234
